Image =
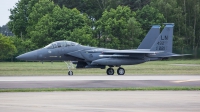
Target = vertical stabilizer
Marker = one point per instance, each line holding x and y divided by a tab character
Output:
150	38
165	39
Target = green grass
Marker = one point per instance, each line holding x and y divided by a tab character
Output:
60	68
104	89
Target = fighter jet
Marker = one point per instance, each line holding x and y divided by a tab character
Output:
155	46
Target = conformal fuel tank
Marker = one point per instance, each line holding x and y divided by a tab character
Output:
117	61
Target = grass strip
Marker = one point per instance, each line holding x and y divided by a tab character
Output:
171	67
103	89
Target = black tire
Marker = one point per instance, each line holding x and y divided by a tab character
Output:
70	73
120	71
110	71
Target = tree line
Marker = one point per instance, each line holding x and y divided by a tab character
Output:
118	24
5	30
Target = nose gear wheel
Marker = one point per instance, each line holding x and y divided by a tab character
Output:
70	73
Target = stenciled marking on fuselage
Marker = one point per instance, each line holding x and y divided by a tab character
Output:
53	56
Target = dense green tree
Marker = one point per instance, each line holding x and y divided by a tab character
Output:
134	33
135	4
95	8
22	45
19	17
192	22
7	47
172	12
185	15
83	35
113	28
59	25
39	10
84	6
119	24
148	16
5	30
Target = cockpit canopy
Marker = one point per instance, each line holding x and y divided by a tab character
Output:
58	44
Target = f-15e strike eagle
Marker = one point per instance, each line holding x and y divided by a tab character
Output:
155	46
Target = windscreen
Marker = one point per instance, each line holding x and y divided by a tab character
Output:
58	44
49	46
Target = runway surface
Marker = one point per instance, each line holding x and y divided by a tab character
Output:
101	101
97	81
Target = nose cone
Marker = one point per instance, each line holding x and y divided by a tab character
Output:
30	56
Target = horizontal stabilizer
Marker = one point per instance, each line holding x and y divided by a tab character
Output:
174	55
180	54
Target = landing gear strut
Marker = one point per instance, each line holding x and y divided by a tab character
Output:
120	71
69	66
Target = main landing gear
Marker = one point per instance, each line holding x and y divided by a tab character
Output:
110	71
120	71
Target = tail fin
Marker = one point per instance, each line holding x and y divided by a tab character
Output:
150	38
165	39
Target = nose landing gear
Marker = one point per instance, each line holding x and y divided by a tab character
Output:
69	66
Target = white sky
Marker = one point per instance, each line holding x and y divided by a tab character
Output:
5	5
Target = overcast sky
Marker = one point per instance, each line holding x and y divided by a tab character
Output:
5	5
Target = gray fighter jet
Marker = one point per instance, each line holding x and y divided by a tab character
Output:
155	46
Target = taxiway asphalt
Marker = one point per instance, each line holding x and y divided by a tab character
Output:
97	81
101	101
